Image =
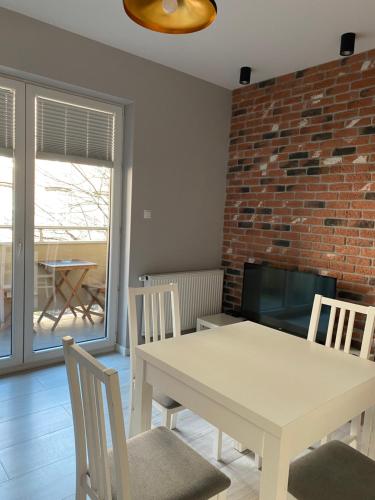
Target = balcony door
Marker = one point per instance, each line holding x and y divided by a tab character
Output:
63	246
12	209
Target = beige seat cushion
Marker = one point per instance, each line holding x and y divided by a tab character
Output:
334	471
163	467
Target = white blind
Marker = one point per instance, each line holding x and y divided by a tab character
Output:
6	122
68	132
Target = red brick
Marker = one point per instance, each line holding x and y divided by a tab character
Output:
368	271
366	204
336	240
364	82
357	278
366	233
358	261
368	252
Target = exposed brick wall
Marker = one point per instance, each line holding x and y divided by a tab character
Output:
301	177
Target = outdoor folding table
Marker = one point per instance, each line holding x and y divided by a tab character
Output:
63	269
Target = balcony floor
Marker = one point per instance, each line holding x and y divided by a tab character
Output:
44	338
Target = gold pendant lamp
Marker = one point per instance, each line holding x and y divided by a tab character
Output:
172	16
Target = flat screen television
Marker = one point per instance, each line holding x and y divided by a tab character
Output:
283	299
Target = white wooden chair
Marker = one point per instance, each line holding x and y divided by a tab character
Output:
334	471
342	339
155	465
154	300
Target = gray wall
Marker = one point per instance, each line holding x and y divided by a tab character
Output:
179	140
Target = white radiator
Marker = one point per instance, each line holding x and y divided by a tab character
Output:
201	294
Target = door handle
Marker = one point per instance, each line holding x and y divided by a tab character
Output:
19	249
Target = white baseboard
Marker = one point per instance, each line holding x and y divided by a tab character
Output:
122	350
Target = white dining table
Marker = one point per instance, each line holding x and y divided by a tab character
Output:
275	393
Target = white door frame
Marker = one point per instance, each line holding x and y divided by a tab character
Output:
16	355
115	225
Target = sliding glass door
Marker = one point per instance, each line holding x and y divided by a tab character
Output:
67	240
71	249
12	161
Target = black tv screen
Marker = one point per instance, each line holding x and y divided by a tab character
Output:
283	299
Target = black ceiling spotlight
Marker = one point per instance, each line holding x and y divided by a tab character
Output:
347	44
245	75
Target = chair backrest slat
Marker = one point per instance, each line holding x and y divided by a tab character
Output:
349	332
154	314
86	378
331	324
104	467
133	325
120	457
162	315
340	328
77	410
176	318
154	302
146	316
89	411
368	333
344	307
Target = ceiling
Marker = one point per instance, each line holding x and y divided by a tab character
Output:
275	37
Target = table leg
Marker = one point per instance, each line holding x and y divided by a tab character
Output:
239	446
275	470
94	299
75	294
367	444
218	444
89	306
58	290
70	297
140	420
57	287
49	301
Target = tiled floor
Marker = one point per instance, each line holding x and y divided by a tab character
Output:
37	446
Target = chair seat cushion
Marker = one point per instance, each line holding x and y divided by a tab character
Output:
163	467
164	400
334	471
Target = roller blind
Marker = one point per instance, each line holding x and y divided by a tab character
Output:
6	122
68	132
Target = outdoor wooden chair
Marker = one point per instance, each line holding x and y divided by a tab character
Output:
96	292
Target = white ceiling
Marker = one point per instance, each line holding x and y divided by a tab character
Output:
275	37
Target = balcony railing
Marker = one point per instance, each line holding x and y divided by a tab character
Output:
89	243
60	234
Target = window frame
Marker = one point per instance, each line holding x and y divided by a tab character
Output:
107	343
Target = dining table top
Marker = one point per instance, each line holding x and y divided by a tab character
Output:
268	377
62	265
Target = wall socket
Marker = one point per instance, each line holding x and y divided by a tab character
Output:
147	214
